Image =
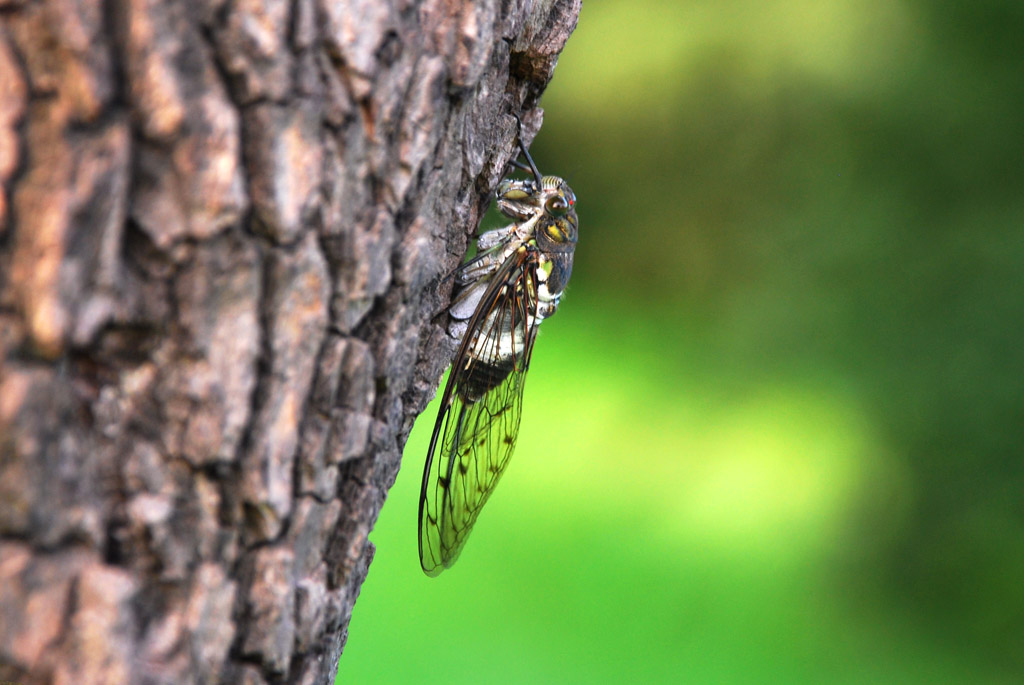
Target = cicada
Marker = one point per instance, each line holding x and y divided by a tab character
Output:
502	294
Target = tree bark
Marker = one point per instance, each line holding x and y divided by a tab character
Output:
224	231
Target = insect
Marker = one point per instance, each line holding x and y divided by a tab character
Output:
514	282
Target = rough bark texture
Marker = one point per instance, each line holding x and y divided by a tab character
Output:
224	228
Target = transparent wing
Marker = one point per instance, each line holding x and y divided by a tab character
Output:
476	428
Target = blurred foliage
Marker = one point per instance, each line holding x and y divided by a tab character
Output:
773	434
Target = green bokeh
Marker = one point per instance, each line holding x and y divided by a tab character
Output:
773	434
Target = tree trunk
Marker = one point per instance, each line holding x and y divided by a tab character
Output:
224	231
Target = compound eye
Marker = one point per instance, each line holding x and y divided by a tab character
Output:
556	206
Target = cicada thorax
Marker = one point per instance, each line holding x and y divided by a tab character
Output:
543	235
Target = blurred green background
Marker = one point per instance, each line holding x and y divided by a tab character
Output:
773	433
